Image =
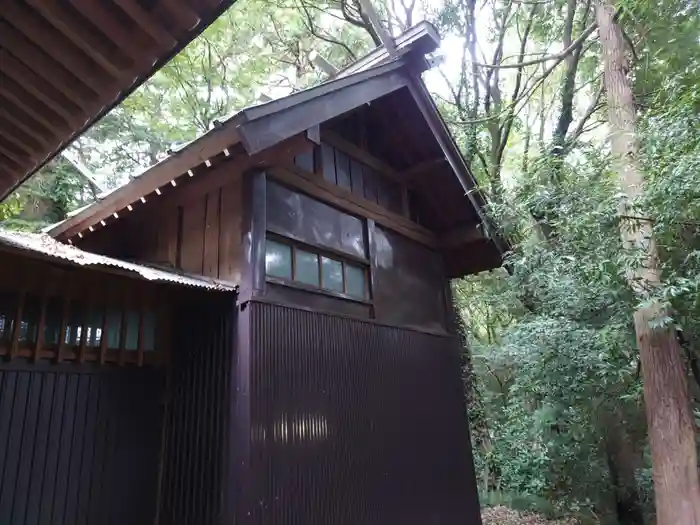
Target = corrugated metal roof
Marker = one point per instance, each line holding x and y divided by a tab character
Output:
44	245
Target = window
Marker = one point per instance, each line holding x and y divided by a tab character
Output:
301	265
278	260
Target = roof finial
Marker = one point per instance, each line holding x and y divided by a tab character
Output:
322	64
384	35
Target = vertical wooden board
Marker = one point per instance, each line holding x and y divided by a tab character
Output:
369	178
53	451
328	163
230	232
62	480
77	448
41	444
13	447
27	449
192	249
342	170
166	237
358	187
211	234
7	401
305	160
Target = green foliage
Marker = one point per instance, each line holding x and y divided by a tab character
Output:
552	374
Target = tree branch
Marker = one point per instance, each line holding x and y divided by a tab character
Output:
559	57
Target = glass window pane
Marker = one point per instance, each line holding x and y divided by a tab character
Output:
149	331
332	274
278	259
307	268
132	330
114	327
355	277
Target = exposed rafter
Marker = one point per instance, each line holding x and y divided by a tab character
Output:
65	64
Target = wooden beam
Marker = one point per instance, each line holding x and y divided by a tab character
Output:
7	177
181	17
61	350
148	23
124	38
17	323
10	164
108	57
333	139
52	122
21	139
124	305
162	173
310	184
42	90
419	170
14	153
460	236
263	126
54	44
18	45
41	326
321	63
23	121
142	332
203	182
384	35
104	334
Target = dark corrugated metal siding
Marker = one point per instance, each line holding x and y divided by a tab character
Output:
78	444
194	461
354	423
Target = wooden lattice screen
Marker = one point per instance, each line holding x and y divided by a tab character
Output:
81	315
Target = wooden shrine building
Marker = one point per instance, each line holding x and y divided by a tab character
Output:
257	330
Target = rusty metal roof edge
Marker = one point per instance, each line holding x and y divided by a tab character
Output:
44	245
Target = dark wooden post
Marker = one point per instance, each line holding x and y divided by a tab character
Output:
239	476
253	226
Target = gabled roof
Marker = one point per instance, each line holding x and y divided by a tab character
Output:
63	65
263	125
43	246
258	128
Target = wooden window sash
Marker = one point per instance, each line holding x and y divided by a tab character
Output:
60	352
293	245
17	325
41	327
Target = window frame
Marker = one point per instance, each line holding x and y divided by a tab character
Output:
344	261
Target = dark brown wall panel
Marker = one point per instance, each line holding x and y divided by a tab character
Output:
201	234
408	282
354	423
192	244
195	454
230	257
211	234
79	444
296	215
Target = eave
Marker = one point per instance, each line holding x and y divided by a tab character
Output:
64	65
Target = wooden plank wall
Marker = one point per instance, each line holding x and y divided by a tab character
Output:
79	444
199	233
194	488
63	314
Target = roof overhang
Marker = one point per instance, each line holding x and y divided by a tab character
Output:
40	246
263	126
256	132
64	65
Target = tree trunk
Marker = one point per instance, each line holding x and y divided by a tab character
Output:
671	428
